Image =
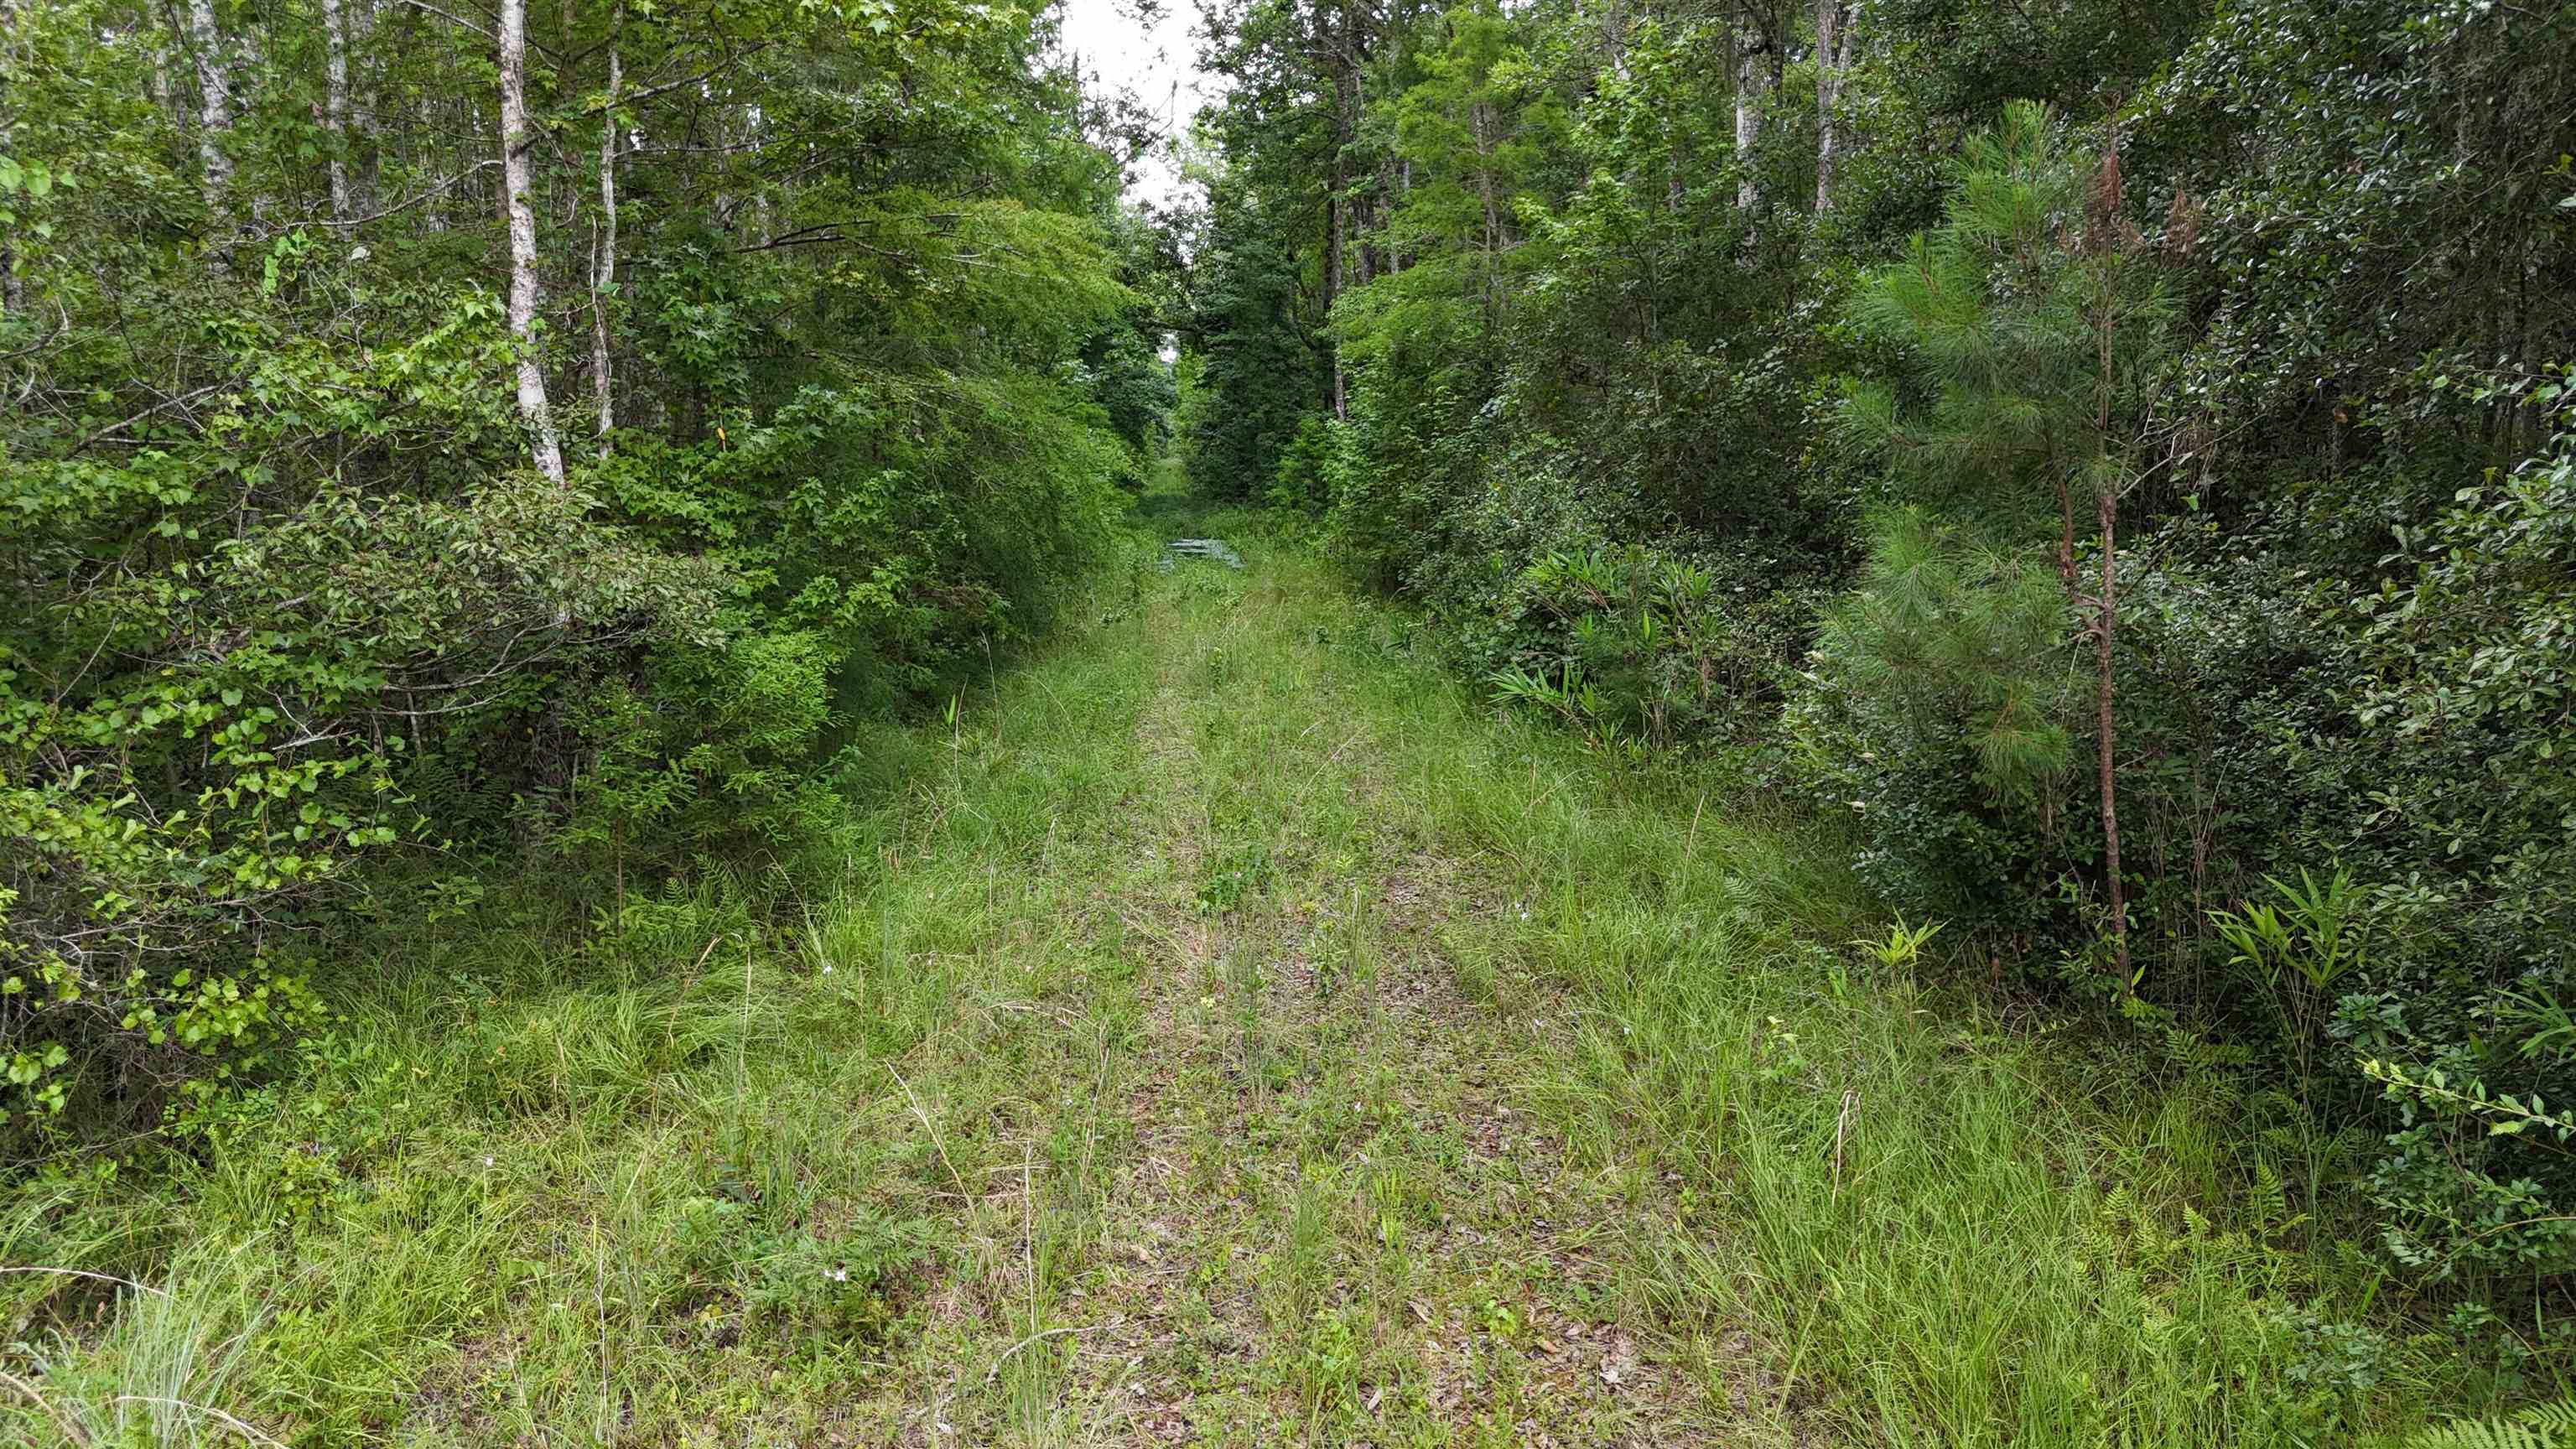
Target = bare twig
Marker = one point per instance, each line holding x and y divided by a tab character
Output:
101	1277
447	16
436	189
1842	1134
113	429
245	1430
70	1426
995	1371
637	98
928	1126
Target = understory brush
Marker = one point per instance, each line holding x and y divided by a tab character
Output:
827	1164
2118	461
1953	1226
1935	1214
547	1176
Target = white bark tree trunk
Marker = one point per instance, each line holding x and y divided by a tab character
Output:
214	110
335	103
13	296
364	100
524	295
1833	57
1752	88
603	271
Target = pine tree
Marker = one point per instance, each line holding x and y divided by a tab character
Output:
2034	319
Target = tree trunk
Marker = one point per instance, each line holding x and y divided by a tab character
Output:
1382	254
214	112
1332	279
335	74
1481	126
1345	63
13	297
1403	193
524	296
1752	88
424	137
2066	544
360	16
603	271
1833	57
2104	238
2106	625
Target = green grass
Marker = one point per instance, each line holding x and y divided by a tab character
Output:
1230	1030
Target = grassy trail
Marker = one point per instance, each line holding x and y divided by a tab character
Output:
1229	1035
1330	1217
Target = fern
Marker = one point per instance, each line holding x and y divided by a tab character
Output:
2542	1426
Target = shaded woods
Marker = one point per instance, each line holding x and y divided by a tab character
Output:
2114	457
1883	648
438	440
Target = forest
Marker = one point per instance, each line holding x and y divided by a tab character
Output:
1871	751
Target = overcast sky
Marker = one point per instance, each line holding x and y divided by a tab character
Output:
1157	62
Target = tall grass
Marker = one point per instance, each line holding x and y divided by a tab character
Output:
1942	1228
850	1170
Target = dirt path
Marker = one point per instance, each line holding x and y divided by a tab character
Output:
1329	1222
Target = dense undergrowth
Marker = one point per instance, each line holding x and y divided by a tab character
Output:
2115	455
1226	1021
325	613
